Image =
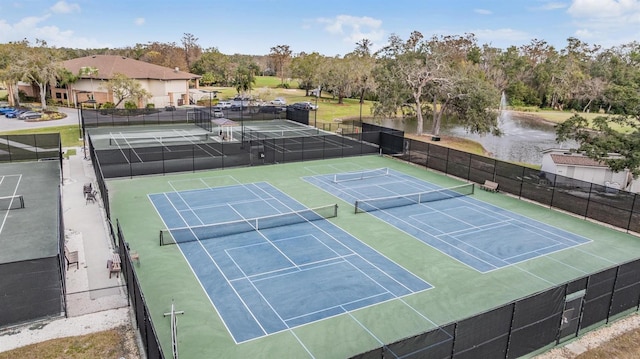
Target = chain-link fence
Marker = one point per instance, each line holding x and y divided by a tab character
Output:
607	205
521	327
148	334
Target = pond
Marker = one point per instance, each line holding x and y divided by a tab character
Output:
523	139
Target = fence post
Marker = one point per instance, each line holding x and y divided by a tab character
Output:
633	205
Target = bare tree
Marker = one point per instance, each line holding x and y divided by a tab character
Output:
281	56
192	50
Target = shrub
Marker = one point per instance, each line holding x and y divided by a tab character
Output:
130	105
108	105
283	86
150	106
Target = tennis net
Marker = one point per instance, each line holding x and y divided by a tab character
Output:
11	202
190	234
263	134
360	175
374	204
155	140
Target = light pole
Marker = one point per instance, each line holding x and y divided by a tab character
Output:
352	124
79	116
81	120
315	113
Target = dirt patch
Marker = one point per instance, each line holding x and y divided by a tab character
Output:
119	342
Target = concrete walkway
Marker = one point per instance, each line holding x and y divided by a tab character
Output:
95	302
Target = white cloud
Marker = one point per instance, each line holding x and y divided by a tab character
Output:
63	7
354	28
32	28
606	22
594	9
483	11
552	5
139	21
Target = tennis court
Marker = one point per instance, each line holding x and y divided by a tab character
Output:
31	241
270	264
480	235
303	287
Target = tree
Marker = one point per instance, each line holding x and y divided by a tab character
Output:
124	88
601	142
216	63
40	65
191	49
338	77
66	78
89	71
207	79
10	73
365	63
244	78
307	68
280	56
436	71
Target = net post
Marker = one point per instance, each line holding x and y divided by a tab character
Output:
21	201
161	238
174	328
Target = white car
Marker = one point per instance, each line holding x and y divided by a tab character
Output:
312	106
224	104
217	113
278	101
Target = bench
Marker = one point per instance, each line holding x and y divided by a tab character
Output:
489	186
113	265
87	188
91	197
71	257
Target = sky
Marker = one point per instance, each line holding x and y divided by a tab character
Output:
328	27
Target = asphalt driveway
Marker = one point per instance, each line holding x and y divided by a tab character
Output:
11	124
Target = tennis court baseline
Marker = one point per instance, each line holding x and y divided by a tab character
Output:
480	235
265	280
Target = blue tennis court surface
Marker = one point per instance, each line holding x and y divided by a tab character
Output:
273	279
480	235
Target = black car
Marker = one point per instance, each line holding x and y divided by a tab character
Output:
301	106
271	109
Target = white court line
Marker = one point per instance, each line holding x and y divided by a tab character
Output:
6	215
221	273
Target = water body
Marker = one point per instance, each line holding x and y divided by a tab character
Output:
523	138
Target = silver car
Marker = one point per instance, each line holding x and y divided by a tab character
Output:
29	115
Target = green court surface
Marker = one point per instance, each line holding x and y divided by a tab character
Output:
459	291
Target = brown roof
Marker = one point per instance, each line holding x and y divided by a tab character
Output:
576	160
108	65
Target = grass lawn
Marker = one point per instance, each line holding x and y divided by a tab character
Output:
561	116
68	134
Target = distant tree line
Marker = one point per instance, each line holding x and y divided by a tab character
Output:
438	77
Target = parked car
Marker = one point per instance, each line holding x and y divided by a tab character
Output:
278	101
304	106
5	110
312	106
29	115
271	109
15	113
224	104
217	113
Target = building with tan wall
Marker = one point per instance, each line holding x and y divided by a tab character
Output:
167	86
